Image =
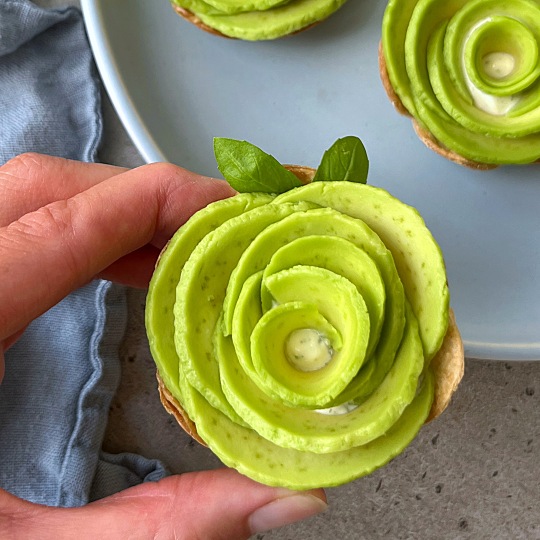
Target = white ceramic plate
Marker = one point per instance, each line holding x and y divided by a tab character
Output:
176	87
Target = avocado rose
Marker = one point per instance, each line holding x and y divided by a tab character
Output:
468	72
304	336
255	19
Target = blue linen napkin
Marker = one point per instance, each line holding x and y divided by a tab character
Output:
62	374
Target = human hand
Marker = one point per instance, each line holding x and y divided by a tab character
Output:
62	224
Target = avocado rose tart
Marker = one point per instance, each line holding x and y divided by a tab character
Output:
468	73
255	20
301	328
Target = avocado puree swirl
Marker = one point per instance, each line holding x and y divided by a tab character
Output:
469	72
344	261
255	20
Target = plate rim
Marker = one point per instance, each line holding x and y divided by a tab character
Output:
116	89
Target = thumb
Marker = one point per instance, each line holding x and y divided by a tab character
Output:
214	505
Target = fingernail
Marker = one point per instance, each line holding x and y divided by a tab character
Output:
285	510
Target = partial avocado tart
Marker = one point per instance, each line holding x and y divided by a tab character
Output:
468	73
255	20
301	329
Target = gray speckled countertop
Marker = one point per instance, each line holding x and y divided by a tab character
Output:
474	473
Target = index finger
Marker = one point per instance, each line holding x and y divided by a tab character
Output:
49	252
30	181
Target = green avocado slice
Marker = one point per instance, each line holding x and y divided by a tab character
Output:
326	221
281	20
456	66
345	259
464	111
201	290
417	256
238	6
480	29
323	238
338	302
435	51
476	146
314	431
161	297
254	456
283	319
271	348
395	23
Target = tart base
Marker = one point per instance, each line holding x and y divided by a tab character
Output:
194	19
448	365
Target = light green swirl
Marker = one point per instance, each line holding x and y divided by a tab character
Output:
345	259
469	72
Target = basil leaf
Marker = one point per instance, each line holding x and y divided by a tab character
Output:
346	159
248	169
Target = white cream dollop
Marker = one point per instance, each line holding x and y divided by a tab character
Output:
308	350
344	408
498	65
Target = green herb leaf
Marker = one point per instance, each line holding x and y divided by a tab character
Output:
346	159
248	169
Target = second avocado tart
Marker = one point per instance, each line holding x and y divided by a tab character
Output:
468	73
255	20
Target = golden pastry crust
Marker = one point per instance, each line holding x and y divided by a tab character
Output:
193	19
304	174
448	367
171	405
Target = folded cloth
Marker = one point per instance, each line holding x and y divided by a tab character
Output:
61	375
